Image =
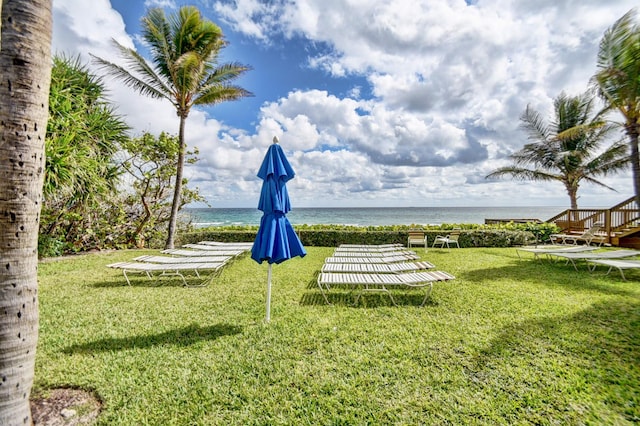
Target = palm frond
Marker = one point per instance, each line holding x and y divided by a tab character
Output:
226	72
523	174
614	159
149	83
599	183
541	154
156	31
188	70
618	65
533	124
217	94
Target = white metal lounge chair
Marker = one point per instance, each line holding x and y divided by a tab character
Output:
246	245
166	269
588	236
537	251
371	249
447	240
374	246
382	282
209	247
377	268
338	258
618	264
373	253
186	259
187	252
613	254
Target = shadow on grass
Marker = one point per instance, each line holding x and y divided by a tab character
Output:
597	348
179	337
547	273
371	300
142	281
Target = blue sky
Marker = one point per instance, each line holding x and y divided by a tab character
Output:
376	103
280	64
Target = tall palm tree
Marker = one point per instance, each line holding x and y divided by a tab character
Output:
567	150
185	70
25	61
617	81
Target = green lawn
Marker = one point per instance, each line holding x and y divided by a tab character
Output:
509	341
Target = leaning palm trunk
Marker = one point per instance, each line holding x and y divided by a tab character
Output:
632	131
25	61
177	193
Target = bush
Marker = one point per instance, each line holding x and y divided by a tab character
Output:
503	235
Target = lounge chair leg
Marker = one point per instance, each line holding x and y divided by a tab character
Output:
621	273
392	299
126	277
574	264
205	282
124	272
322	291
426	297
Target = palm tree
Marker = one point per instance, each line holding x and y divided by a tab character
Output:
617	81
184	51
25	61
567	150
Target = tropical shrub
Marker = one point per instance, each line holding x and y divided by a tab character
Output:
102	189
472	235
83	134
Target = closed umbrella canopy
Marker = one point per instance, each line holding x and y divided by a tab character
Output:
276	240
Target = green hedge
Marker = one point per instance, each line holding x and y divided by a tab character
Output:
480	237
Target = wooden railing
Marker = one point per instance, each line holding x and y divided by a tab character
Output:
616	219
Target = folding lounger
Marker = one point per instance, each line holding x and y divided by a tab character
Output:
338	258
588	236
618	264
554	249
345	253
614	254
186	259
372	246
245	245
370	249
377	268
166	269
382	282
216	248
187	252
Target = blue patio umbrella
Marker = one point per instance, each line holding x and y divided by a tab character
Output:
276	240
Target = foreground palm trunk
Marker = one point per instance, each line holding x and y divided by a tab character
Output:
25	64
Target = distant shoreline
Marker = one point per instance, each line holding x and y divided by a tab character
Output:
371	216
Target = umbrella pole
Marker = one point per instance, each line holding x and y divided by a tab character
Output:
269	294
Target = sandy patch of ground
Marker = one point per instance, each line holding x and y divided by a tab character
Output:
64	406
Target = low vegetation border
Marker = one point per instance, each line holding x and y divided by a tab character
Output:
504	235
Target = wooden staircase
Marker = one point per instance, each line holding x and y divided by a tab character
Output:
622	222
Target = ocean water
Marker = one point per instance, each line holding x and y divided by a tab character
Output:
368	216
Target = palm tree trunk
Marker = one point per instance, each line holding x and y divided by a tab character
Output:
573	195
177	193
633	131
25	61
